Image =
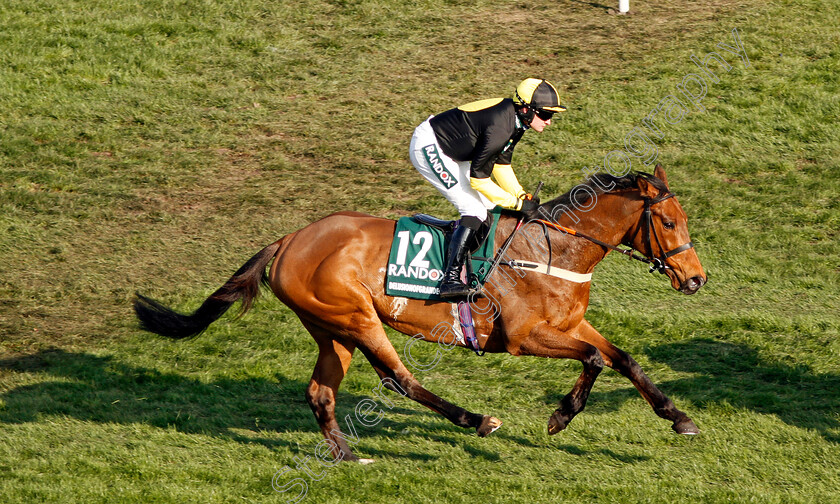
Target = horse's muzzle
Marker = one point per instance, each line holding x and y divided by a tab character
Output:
692	285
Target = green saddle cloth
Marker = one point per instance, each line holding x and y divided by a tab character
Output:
415	264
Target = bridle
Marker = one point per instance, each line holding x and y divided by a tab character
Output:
647	229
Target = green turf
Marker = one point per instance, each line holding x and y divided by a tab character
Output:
157	145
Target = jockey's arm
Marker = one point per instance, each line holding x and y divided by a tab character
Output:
503	173
509	195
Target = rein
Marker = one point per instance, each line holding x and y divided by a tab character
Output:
645	226
630	253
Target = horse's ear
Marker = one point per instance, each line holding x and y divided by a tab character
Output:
646	188
659	172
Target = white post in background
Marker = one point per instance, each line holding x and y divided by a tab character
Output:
623	6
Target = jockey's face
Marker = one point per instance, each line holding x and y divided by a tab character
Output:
538	124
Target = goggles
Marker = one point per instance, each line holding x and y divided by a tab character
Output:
545	115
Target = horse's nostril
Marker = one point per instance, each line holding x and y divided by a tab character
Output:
692	285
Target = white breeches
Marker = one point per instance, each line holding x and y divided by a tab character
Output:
450	177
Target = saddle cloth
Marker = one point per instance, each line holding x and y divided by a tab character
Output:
415	264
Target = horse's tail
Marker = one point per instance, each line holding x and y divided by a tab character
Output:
244	285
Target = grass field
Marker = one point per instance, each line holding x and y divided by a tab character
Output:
155	146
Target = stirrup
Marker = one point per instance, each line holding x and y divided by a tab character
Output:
454	290
470	293
477	292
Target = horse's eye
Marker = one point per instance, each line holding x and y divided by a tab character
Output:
668	225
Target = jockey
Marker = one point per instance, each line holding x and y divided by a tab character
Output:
458	150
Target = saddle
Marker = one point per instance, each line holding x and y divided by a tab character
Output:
447	226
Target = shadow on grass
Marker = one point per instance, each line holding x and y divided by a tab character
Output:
594	4
103	389
735	375
621	457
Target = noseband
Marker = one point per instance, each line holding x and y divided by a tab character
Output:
648	229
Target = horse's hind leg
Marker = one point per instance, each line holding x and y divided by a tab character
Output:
333	360
627	366
387	364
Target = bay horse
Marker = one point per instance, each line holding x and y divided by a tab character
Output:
331	273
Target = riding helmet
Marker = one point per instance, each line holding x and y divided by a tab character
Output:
538	94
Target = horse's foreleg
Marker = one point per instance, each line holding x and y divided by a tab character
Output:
546	341
388	364
627	366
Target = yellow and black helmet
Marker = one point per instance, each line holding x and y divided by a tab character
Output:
538	94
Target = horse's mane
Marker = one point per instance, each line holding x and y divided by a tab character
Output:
598	182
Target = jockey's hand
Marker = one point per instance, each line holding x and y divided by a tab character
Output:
529	205
531	197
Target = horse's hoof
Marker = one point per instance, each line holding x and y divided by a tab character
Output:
488	426
557	422
685	426
366	461
347	456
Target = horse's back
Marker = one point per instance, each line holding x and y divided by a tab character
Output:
333	261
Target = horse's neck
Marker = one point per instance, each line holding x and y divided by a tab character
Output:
612	218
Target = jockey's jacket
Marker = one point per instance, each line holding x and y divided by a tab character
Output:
484	132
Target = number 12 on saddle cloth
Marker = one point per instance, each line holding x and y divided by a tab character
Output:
415	264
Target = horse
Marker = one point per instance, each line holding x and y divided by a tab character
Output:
331	274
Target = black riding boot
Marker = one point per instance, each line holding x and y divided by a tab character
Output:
456	254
